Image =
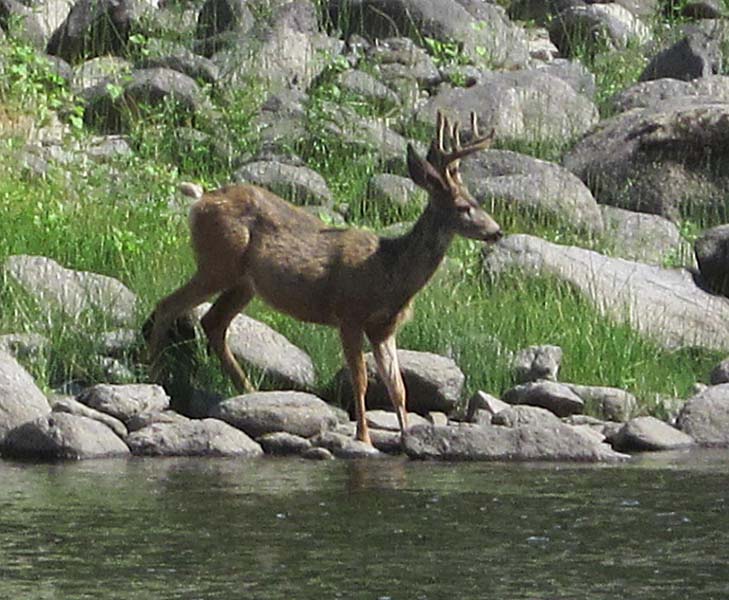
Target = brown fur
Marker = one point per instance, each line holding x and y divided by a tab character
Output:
249	242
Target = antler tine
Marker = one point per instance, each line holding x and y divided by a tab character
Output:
456	136
441	125
477	143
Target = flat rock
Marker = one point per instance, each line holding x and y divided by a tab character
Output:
266	412
649	434
553	396
705	416
535	438
194	437
387	420
20	398
125	401
72	292
664	304
282	443
64	436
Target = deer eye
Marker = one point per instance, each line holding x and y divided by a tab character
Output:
464	208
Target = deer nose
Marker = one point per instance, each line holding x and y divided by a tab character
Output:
495	236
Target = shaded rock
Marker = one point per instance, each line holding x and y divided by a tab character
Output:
532	185
125	401
712	256
555	397
404	67
54	287
266	412
22	22
665	159
343	446
282	443
574	73
221	22
714	88
481	29
720	373
388	442
705	416
665	304
534	434
595	26
258	345
93	28
300	185
642	237
67	404
64	436
529	105
648	434
20	398
194	437
197	67
117	343
610	403
432	383
537	362
695	55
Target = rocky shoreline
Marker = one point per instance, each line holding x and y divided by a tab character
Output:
117	420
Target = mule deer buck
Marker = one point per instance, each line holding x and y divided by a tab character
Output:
248	241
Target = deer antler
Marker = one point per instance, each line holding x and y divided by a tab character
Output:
442	157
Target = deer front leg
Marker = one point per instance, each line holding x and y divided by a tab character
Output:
352	340
388	368
215	323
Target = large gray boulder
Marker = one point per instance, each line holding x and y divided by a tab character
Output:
64	436
258	345
266	412
665	304
705	416
529	433
529	105
533	186
650	434
595	26
663	159
193	437
125	401
482	29
73	293
433	383
20	398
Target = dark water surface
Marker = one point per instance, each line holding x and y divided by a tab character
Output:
379	529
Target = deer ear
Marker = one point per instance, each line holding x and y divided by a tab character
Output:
423	173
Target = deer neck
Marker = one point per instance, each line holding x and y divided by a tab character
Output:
416	255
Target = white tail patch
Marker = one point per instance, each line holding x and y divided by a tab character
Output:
192	190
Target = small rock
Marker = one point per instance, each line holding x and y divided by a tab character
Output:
125	401
537	362
481	401
282	443
317	453
66	404
343	446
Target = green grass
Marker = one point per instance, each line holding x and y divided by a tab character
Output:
116	219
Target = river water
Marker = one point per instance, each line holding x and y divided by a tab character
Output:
657	527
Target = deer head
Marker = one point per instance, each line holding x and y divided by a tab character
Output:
439	175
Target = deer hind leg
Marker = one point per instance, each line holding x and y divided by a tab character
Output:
389	370
352	340
195	291
215	324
